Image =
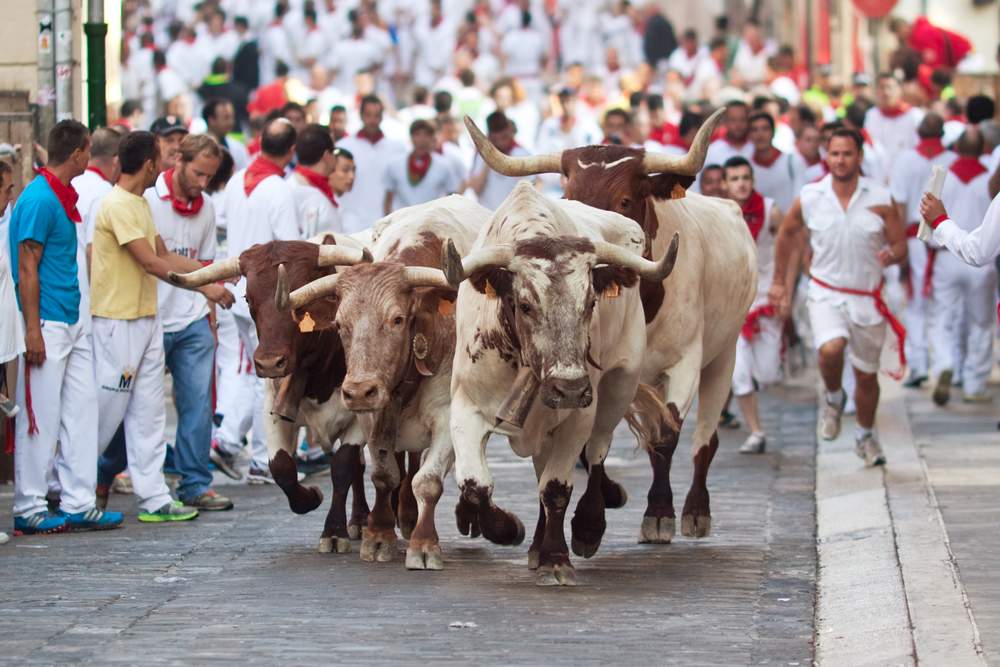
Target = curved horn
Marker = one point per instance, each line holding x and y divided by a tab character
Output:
692	162
212	273
312	291
340	255
281	289
497	255
608	253
423	276
550	163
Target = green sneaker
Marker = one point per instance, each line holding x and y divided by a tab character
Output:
172	511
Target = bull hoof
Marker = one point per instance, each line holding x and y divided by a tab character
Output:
588	530
615	495
560	574
585	549
385	552
325	545
426	558
329	545
696	526
377	546
310	498
503	528
533	559
657	530
467	519
354	531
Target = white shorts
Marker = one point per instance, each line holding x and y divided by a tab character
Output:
758	361
864	343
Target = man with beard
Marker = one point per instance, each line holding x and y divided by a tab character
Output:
736	141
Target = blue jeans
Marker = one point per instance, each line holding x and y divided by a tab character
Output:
190	356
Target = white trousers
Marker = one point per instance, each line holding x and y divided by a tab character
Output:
62	400
758	359
965	314
129	361
230	433
234	382
915	313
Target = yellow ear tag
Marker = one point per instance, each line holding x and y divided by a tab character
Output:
307	324
489	291
678	192
612	291
446	307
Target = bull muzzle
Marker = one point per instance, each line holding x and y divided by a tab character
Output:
364	394
271	365
567	393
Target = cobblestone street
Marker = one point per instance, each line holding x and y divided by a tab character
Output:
248	586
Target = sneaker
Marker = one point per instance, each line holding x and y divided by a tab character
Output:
210	501
870	450
95	519
914	380
942	390
225	462
829	421
755	444
101	493
981	397
8	408
260	475
313	466
850	407
728	420
40	523
175	510
122	484
4	537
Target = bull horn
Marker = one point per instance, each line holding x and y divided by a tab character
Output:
339	255
281	289
550	163
492	256
213	273
312	291
424	276
690	163
608	253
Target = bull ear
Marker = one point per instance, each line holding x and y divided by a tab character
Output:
494	282
329	239
668	186
606	278
321	313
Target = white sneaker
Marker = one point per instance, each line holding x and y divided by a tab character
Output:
4	538
755	444
869	449
829	420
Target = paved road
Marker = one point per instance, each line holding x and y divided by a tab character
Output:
248	586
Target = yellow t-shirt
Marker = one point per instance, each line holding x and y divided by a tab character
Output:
119	288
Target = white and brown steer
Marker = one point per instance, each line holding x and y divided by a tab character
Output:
548	310
304	365
692	321
396	320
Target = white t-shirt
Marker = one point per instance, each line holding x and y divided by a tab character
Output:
780	181
721	150
752	67
92	188
362	206
966	202
909	177
348	57
893	135
192	237
316	213
241	156
523	50
437	182
497	185
684	64
11	324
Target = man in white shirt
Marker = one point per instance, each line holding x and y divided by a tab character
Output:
907	181
259	208
490	187
710	73
776	174
352	55
315	202
435	44
686	57
855	232
220	118
372	151
275	46
752	54
964	296
892	124
736	122
185	220
422	176
184	57
807	145
524	50
562	132
344	171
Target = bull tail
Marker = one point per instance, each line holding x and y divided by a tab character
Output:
648	417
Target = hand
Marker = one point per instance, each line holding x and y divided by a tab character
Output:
218	294
34	344
886	256
931	208
779	297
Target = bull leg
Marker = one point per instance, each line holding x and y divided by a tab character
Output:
359	503
280	438
406	510
469	433
659	522
696	520
378	539
394	498
334	536
424	550
536	541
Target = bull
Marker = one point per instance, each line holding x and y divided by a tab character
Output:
396	321
304	366
692	321
550	338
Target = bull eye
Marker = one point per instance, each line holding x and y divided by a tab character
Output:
525	308
625	203
397	321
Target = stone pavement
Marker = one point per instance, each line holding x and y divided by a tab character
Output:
249	587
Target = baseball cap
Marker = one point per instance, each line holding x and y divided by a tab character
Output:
167	125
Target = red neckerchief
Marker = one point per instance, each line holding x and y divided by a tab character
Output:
967	168
189	39
66	194
373	139
510	150
100	173
930	148
318	181
811	163
417	168
767	161
733	143
753	213
680	143
896	111
665	134
258	170
185	209
867	137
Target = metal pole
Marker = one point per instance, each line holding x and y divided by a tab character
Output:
96	30
46	96
810	48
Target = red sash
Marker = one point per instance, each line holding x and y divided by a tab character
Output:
751	326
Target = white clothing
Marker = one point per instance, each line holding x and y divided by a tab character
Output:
188	62
92	189
893	135
915	313
811	173
831	320
350	56
909	176
362	206
752	67
11	323
241	156
232	430
497	186
316	213
314	46
707	81
169	85
437	182
234	378
978	246
129	363
552	139
434	49
523	50
62	400
686	64
758	361
780	181
275	45
192	237
721	150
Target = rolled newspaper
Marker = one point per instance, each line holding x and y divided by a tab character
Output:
934	186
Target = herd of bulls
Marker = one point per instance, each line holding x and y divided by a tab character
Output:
545	321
